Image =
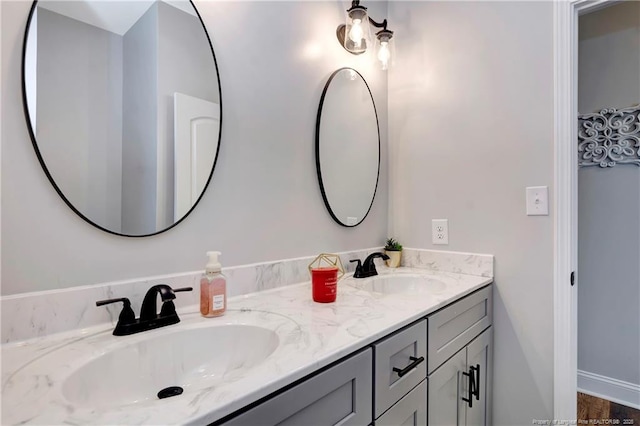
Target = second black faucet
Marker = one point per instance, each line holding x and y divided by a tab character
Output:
368	268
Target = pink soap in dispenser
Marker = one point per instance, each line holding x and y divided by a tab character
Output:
213	288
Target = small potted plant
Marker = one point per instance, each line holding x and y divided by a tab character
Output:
393	249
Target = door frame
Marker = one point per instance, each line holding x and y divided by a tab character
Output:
565	335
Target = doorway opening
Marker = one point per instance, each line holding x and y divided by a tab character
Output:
608	214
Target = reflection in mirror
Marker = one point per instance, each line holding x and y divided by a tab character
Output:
123	103
347	147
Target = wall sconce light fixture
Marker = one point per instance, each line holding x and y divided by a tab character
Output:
355	35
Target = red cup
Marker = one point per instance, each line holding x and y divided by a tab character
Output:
324	284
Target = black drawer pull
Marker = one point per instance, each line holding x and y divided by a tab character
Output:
414	364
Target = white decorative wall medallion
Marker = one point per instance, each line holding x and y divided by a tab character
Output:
609	137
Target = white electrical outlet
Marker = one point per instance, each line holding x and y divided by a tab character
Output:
440	231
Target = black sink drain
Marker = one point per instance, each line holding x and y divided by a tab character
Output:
170	391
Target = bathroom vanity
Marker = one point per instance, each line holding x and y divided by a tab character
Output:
369	387
409	346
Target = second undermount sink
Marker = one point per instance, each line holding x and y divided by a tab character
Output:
191	359
399	284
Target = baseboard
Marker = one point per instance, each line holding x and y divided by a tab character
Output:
614	390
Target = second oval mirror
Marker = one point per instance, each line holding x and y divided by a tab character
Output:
123	102
347	147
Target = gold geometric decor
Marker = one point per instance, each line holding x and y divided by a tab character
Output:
327	260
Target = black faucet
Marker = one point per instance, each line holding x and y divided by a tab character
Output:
368	269
149	317
149	310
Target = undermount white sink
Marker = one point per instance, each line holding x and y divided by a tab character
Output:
192	358
399	284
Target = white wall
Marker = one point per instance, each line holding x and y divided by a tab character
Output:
263	203
471	122
609	203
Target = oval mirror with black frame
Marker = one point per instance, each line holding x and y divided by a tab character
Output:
124	108
347	147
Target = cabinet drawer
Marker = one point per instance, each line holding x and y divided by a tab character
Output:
453	327
340	395
400	351
409	411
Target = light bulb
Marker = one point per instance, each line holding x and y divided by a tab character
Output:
356	32
384	54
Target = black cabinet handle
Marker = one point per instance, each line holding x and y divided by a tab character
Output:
476	381
414	364
471	388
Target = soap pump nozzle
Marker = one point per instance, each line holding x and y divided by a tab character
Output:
213	265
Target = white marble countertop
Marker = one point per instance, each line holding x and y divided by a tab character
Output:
312	335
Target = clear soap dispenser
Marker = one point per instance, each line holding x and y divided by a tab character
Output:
213	288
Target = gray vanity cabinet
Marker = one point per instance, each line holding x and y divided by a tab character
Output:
461	334
340	395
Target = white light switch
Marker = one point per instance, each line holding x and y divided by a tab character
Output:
537	201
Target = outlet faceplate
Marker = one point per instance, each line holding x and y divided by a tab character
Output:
440	231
